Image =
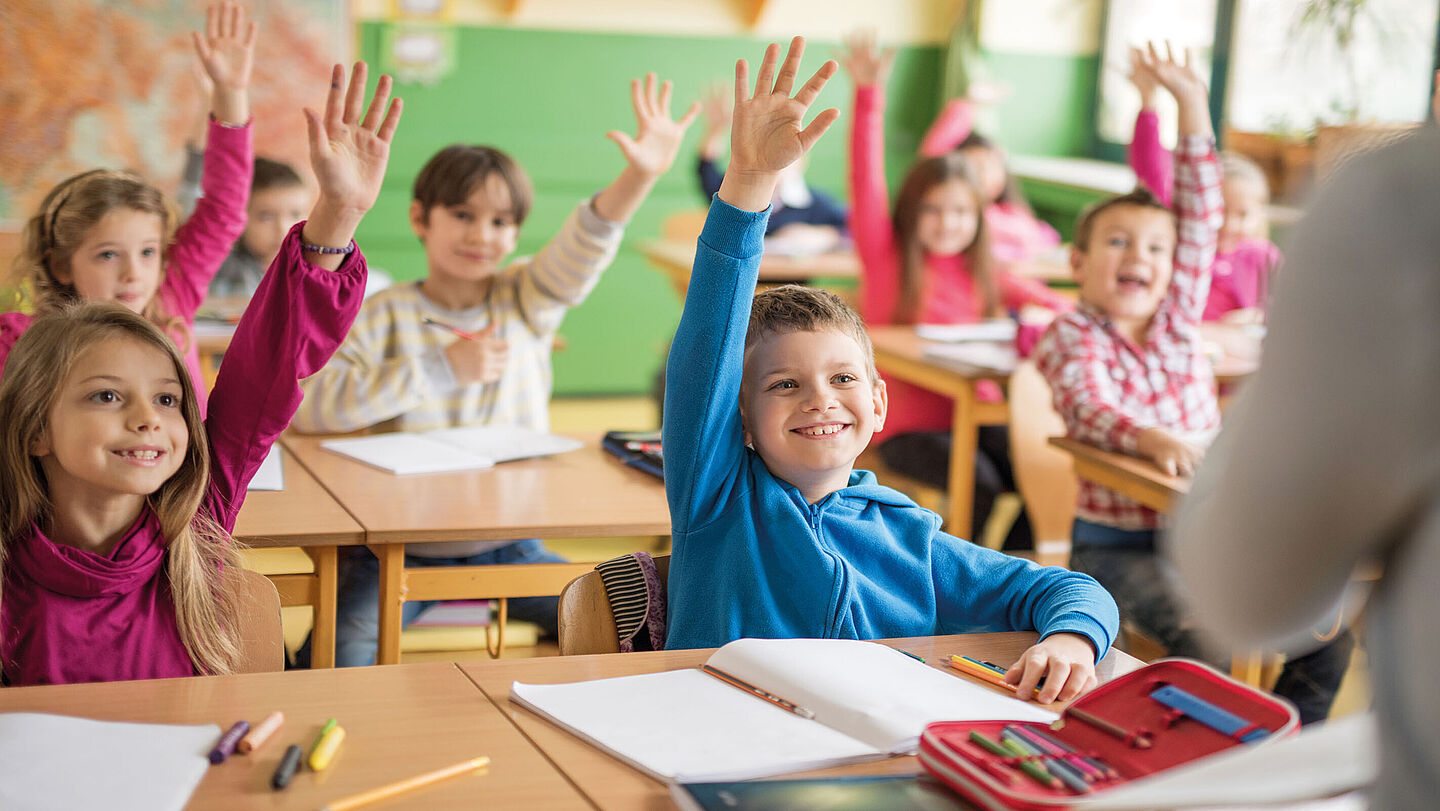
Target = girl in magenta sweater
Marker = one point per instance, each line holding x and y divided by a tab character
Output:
929	263
107	235
116	499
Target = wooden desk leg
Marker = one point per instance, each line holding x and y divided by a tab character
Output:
964	434
392	600
1246	667
322	638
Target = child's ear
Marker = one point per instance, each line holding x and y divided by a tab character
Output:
1077	264
745	424
882	403
419	219
41	444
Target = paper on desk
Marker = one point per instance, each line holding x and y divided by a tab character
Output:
993	329
999	357
450	449
270	475
59	762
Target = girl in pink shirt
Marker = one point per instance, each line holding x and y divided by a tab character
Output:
107	235
116	499
928	263
1245	260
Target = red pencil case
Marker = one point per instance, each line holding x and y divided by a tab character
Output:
1181	706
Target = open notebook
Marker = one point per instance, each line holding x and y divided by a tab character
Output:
869	701
60	762
449	449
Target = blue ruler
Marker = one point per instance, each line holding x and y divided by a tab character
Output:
1222	721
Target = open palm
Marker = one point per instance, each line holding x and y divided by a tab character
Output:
348	153
766	135
657	138
227	50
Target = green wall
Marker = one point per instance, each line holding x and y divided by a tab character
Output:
547	98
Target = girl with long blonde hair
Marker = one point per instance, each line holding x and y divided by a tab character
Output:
116	499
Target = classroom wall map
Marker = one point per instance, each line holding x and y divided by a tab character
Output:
88	83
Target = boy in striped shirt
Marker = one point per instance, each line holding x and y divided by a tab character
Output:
395	372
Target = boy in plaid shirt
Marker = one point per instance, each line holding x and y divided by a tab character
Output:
1128	374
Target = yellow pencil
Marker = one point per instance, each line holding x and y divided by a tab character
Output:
983	673
326	747
386	792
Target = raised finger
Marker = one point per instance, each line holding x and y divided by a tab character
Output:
765	79
355	93
666	87
203	49
637	98
333	98
742	81
392	120
790	68
250	34
1170	53
689	116
378	103
817	128
811	89
650	94
233	29
212	23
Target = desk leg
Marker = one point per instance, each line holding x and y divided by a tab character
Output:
964	435
392	600
322	638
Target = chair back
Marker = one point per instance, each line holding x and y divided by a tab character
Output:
587	621
262	639
1044	474
684	226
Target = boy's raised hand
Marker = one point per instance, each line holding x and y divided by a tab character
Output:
1183	81
866	62
349	155
765	135
1065	660
227	52
657	141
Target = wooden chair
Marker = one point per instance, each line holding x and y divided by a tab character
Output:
262	639
1044	474
587	624
685	225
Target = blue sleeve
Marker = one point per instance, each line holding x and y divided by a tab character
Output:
704	444
710	177
1002	592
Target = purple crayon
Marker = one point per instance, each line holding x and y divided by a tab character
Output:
226	745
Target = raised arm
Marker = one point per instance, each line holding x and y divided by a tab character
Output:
1198	204
649	154
303	308
1149	158
704	446
226	52
870	224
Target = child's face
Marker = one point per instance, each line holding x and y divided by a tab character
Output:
121	259
1126	270
809	407
988	166
469	242
272	212
1244	213
116	427
949	218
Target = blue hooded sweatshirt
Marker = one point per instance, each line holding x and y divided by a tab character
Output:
752	558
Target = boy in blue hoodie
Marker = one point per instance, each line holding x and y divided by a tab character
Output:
775	534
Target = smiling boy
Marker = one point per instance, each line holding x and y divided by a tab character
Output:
775	534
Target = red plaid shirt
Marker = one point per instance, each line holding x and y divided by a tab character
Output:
1108	389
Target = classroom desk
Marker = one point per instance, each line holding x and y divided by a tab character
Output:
399	721
900	355
675	258
1127	475
303	515
583	493
611	784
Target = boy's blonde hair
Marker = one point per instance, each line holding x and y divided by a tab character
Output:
200	555
67	214
796	308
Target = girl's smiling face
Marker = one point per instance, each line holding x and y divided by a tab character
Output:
948	219
116	429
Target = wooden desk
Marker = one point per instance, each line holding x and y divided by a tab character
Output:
303	515
399	721
900	355
675	258
1127	475
609	783
211	340
583	493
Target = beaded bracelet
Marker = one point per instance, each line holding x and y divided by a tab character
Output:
322	249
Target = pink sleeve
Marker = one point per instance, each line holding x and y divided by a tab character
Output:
954	124
203	242
870	224
1222	299
1017	291
293	324
1153	165
12	326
